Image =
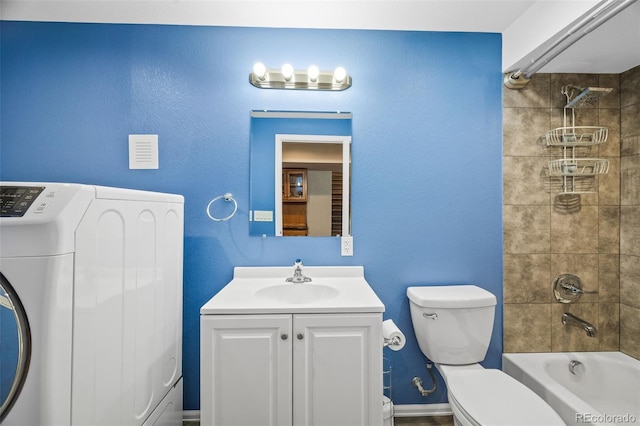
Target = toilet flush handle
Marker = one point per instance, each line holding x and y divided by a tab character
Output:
432	316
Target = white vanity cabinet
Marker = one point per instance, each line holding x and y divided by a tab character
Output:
279	353
291	369
245	376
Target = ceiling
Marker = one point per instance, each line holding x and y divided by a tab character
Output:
527	26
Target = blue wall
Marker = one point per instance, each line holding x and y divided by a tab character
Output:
427	141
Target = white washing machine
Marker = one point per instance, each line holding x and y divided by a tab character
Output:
90	305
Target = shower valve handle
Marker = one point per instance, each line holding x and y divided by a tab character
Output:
576	290
567	288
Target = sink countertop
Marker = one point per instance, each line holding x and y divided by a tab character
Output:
239	296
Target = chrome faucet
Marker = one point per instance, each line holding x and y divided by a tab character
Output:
298	276
570	319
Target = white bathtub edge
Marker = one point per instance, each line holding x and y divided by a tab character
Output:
525	368
421	410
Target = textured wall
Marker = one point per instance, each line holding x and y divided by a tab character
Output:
630	213
546	234
427	150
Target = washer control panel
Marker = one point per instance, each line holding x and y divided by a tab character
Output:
16	200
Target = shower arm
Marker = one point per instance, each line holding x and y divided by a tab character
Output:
606	10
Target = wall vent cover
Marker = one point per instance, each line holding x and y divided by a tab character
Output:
143	151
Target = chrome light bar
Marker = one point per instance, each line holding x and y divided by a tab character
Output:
289	78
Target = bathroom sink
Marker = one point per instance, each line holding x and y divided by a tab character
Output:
297	293
262	290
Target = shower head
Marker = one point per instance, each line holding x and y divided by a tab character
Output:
585	96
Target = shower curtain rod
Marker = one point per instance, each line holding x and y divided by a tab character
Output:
601	13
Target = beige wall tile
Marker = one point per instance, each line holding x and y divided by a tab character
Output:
608	326
527	328
526	229
524	131
526	278
608	278
630	212
630	87
630	180
630	230
609	229
630	145
610	118
629	123
609	184
591	184
587	116
595	236
575	232
630	330
612	100
520	190
630	280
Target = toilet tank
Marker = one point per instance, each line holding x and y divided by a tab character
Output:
453	324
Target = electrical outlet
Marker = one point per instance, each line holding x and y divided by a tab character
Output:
346	245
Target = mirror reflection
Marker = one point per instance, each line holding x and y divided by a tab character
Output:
300	173
313	200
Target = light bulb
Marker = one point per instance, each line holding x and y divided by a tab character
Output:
313	72
339	74
287	71
259	70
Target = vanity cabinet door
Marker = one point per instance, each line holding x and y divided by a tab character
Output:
245	370
337	369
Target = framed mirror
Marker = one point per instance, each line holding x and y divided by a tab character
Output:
300	174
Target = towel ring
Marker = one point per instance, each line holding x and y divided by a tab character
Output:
226	197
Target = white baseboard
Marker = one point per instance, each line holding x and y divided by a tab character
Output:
190	416
421	410
403	410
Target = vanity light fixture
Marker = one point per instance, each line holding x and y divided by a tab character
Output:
259	71
313	72
289	78
339	74
287	72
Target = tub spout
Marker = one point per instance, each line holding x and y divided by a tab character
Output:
570	319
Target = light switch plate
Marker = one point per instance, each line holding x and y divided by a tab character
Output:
263	216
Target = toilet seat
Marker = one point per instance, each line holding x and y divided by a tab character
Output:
490	397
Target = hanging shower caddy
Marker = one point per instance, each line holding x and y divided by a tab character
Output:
577	173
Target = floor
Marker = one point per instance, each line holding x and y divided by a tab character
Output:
424	421
398	421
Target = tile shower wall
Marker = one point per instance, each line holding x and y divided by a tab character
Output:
630	213
546	234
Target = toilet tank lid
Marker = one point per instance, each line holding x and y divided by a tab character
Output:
452	296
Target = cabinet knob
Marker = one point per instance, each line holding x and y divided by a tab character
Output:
284	336
300	336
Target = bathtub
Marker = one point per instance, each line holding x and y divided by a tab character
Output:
604	390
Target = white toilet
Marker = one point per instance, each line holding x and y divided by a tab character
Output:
453	326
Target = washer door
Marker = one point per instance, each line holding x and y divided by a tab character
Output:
15	346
